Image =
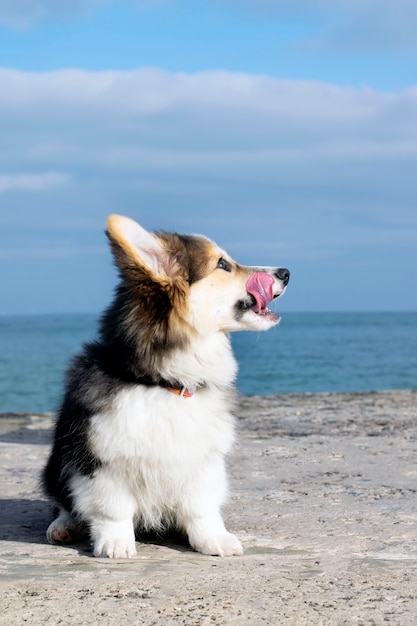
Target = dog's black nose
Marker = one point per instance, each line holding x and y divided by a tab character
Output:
283	274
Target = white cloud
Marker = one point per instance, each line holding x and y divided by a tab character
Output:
151	120
33	182
51	252
176	147
152	91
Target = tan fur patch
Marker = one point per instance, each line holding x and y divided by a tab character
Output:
114	226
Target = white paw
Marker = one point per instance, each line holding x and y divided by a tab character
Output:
63	529
115	548
115	540
224	544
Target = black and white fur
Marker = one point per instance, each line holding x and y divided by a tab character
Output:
129	454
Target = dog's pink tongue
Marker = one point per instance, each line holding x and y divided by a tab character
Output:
260	286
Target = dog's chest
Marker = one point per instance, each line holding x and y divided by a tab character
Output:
153	425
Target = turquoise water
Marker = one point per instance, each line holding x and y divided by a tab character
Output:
306	352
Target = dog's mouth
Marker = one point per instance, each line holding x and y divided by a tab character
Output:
260	288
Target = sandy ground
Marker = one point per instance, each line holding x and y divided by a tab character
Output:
324	501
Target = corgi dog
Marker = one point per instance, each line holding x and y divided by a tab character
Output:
147	416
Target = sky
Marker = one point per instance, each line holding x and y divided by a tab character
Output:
285	131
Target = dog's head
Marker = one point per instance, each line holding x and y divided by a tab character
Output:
188	281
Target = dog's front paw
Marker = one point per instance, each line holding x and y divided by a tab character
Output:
64	529
224	544
115	540
114	548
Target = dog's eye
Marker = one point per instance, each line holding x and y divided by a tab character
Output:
224	265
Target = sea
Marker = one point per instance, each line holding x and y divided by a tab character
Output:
307	352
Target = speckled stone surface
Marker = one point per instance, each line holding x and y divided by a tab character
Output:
323	497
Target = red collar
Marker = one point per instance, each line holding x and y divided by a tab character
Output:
179	391
173	387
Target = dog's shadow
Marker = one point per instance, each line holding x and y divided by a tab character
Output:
171	539
26	521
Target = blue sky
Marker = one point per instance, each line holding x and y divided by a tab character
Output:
286	131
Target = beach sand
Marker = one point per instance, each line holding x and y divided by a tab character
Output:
323	497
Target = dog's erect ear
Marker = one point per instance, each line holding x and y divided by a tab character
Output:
138	245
